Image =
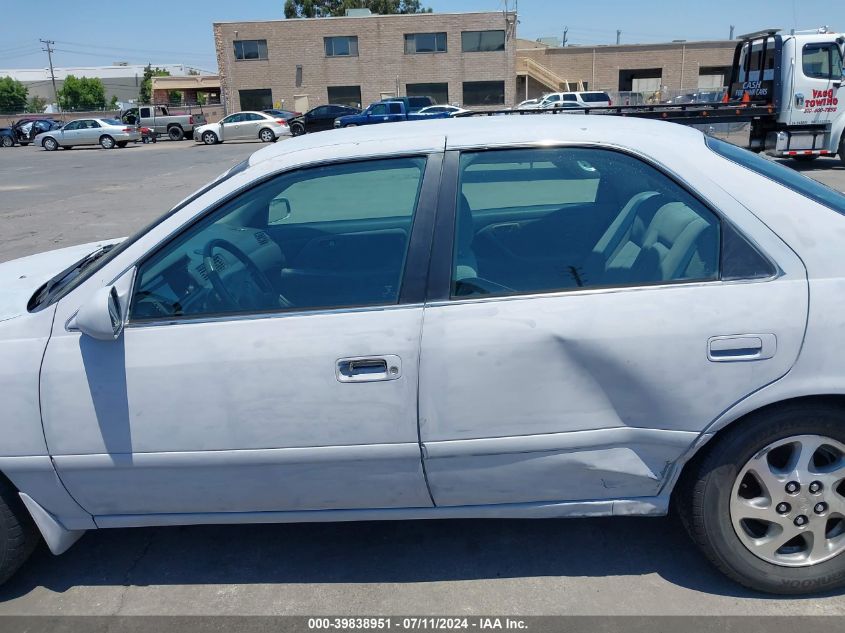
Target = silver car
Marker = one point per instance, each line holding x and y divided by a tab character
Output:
525	317
243	126
107	133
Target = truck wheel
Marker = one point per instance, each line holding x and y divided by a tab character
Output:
765	502
175	133
18	534
106	142
50	144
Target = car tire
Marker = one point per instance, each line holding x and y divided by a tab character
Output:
717	489
210	138
175	133
122	144
266	135
297	129
24	144
67	146
50	144
18	534
8	141
107	142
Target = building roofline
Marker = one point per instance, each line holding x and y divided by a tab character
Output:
367	17
604	47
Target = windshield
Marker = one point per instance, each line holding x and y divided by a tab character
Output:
782	175
68	279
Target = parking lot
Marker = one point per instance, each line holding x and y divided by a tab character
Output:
585	566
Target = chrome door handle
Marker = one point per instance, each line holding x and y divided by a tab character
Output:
368	368
741	347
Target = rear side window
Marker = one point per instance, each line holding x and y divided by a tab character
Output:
595	97
547	220
782	175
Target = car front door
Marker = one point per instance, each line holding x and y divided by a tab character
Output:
69	134
319	119
230	127
270	358
592	318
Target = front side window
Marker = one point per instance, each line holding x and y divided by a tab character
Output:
378	109
73	125
425	43
250	49
482	41
343	46
482	93
547	220
822	61
324	237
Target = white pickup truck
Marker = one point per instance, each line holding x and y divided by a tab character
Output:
160	119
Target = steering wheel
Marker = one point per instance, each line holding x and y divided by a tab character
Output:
254	271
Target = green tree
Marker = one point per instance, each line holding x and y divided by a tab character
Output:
329	8
36	104
82	93
113	103
145	94
12	95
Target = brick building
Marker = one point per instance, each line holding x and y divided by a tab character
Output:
631	68
297	64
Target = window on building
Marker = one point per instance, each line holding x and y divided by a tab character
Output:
640	79
342	46
438	92
713	77
425	43
345	95
822	61
482	41
261	99
483	93
250	49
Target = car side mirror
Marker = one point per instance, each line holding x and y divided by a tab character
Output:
103	316
279	210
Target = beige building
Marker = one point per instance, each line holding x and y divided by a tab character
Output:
674	67
465	58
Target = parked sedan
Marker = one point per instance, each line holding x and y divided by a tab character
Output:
107	133
320	118
516	316
242	126
448	109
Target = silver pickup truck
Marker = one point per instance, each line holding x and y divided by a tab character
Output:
162	120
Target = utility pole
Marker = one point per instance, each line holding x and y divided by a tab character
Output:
565	33
732	32
618	37
49	51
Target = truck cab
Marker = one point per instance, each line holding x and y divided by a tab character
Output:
801	77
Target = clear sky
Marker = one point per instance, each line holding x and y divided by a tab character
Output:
179	31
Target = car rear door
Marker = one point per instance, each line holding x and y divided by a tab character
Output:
220	397
588	318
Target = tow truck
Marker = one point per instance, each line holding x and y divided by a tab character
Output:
789	87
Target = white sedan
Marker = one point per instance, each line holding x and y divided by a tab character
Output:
525	317
436	109
243	126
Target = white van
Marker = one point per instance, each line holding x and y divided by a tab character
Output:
585	99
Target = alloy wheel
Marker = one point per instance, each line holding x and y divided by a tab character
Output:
788	501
